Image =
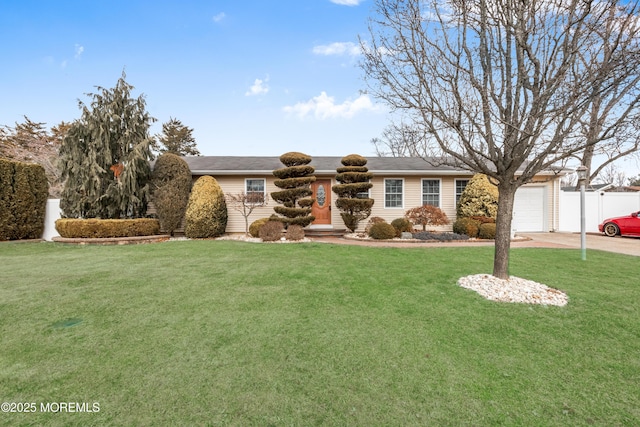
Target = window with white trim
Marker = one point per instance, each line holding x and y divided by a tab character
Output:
393	192
461	184
255	189
431	192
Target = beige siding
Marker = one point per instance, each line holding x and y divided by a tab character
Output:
412	197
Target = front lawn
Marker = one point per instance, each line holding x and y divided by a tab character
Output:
232	333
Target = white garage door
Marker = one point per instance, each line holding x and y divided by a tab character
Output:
529	209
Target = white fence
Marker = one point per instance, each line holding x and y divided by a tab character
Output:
52	213
598	207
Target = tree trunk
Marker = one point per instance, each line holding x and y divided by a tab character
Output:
506	197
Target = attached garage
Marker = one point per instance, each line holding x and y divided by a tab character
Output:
529	209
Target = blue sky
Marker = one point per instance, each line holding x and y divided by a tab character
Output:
251	77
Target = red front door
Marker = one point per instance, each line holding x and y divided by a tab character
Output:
321	209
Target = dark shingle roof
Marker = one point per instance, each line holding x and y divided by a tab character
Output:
242	165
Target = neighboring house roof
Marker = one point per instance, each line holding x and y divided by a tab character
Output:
242	165
590	187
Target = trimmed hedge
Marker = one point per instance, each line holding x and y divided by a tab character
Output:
23	200
106	228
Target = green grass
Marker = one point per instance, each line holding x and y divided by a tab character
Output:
230	333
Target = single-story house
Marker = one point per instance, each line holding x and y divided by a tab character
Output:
399	183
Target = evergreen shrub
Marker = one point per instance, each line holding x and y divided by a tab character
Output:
23	200
170	185
354	179
254	228
294	199
206	214
487	231
479	198
467	226
382	231
373	220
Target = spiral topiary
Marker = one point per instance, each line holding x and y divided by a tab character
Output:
295	181
354	180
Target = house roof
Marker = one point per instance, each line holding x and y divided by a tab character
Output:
260	165
590	187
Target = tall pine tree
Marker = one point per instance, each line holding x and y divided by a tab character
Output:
105	156
176	138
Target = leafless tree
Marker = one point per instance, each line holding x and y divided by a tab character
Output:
30	141
501	87
611	174
246	203
400	140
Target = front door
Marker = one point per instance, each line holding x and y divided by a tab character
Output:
321	209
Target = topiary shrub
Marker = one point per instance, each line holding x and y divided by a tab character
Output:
295	232
354	182
295	181
402	225
271	231
23	200
467	226
106	228
487	231
479	198
382	231
206	214
427	215
170	186
254	228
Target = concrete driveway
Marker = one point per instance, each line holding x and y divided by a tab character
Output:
621	245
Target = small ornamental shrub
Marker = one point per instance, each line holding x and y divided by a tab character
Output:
206	214
467	226
254	228
487	231
427	215
271	231
170	186
382	231
373	220
106	228
295	232
479	198
402	225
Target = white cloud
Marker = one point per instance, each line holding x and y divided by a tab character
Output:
259	87
347	2
79	51
219	17
324	107
338	48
